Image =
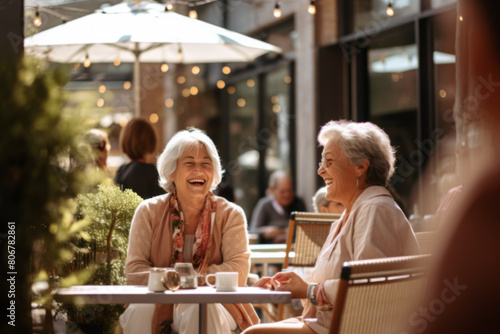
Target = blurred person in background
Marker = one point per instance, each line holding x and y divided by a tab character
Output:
99	142
272	213
322	205
138	142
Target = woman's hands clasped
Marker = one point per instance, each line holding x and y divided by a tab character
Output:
285	281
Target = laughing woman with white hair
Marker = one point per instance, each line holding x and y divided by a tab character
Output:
189	224
358	161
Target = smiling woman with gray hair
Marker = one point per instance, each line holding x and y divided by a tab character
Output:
189	224
357	162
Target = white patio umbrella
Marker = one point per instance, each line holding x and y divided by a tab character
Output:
143	32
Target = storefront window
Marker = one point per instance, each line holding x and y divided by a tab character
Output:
244	156
392	68
277	120
372	14
441	3
444	96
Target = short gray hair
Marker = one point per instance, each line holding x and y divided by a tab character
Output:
361	141
182	140
319	199
275	176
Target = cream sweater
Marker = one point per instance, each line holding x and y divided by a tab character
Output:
151	239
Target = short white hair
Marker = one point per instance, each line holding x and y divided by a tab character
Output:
361	141
182	140
319	199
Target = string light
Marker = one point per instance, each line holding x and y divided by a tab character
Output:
390	10
37	21
180	55
277	10
169	7
193	14
164	68
195	70
226	70
117	61
221	84
86	62
311	8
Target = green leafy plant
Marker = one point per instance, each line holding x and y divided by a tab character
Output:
38	182
109	212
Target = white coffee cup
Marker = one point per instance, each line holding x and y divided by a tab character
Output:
225	281
155	276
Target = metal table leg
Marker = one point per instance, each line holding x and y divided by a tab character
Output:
202	319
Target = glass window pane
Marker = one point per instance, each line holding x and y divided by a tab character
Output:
440	3
393	103
244	157
277	120
371	14
444	97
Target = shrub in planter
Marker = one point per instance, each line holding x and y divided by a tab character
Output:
110	212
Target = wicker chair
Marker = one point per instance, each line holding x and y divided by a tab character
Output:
426	242
378	296
307	232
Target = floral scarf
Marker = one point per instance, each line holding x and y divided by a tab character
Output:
202	234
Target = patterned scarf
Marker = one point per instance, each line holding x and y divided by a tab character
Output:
202	243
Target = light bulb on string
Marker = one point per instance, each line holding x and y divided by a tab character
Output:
180	55
390	10
193	14
86	62
277	10
37	21
164	67
117	61
169	7
312	7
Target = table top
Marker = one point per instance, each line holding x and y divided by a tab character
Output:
267	247
269	257
124	294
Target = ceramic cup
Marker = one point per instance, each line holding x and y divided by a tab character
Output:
155	279
225	281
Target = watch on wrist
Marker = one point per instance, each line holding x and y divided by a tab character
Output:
310	294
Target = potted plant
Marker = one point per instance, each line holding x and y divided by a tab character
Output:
109	212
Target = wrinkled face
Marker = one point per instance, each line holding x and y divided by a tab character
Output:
194	173
283	192
338	173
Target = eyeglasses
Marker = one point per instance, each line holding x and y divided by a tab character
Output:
324	164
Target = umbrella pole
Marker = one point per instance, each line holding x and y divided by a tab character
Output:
137	82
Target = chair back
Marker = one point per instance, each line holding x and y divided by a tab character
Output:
378	296
426	241
307	231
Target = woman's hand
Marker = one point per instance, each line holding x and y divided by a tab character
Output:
290	281
263	282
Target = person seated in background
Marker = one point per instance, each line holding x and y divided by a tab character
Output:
99	142
272	213
138	141
188	224
358	161
322	205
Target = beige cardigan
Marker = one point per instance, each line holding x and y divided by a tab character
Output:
375	228
150	246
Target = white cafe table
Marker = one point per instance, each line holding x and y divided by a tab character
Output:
267	247
266	258
125	294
